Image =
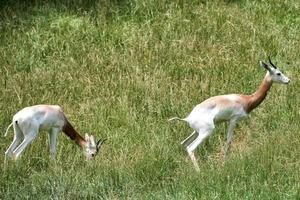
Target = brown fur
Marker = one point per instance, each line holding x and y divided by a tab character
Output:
252	101
249	102
69	130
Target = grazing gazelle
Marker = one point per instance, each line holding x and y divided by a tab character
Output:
30	120
230	108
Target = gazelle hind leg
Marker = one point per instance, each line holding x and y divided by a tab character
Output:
203	133
191	147
17	138
27	140
194	161
187	140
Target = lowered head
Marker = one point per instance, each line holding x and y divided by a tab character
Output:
92	148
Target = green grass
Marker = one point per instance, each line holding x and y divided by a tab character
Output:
120	69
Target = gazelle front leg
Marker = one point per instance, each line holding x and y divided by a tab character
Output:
53	135
232	125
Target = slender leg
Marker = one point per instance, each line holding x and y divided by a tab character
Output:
53	135
231	127
27	140
17	138
194	161
191	147
186	140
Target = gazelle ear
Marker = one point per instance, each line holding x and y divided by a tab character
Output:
264	65
92	140
87	138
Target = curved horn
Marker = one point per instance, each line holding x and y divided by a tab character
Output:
274	66
100	142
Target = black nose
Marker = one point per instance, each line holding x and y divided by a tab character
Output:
93	155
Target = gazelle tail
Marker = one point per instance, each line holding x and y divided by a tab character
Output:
177	118
7	129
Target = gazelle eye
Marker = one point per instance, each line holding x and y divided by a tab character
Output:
278	74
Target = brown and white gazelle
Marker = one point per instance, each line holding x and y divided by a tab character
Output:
231	108
30	120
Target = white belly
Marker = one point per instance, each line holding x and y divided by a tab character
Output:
228	114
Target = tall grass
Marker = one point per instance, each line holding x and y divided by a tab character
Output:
120	69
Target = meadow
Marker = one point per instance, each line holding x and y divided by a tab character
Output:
121	68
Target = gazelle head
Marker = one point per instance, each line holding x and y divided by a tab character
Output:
275	74
92	148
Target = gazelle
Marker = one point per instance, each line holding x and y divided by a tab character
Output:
30	120
227	108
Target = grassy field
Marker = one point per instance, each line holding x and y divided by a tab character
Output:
121	68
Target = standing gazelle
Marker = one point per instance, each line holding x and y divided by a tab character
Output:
231	108
30	120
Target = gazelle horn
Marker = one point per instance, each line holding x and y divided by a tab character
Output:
272	63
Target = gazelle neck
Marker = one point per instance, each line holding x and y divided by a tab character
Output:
260	94
73	134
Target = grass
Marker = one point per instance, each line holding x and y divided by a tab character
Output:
120	69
